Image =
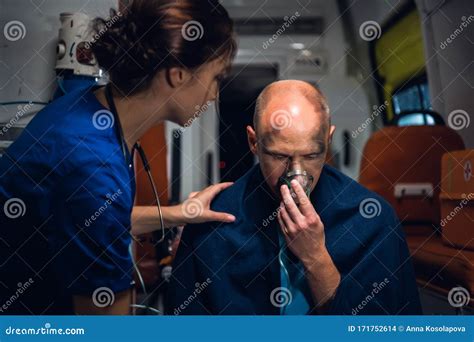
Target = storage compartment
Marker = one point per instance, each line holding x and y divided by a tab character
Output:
457	199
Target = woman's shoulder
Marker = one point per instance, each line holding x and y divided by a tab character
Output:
77	118
77	113
69	132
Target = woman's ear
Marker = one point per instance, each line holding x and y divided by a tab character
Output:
177	76
252	139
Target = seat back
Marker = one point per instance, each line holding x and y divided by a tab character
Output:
403	164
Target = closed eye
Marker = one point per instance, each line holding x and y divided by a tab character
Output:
276	155
314	155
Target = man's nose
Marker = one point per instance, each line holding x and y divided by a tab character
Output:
294	164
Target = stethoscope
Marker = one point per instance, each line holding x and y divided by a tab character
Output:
146	166
141	152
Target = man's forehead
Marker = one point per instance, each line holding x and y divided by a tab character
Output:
286	113
282	124
274	138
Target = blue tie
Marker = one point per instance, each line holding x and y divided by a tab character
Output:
296	295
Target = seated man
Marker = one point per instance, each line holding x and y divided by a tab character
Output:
340	251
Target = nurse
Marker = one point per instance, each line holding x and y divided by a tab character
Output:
66	184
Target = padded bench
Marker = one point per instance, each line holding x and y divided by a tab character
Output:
439	267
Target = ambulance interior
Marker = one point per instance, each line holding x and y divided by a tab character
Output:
398	76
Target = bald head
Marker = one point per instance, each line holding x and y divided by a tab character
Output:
281	95
292	131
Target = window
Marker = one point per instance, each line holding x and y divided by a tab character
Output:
398	58
412	98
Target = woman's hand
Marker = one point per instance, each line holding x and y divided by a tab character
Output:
197	208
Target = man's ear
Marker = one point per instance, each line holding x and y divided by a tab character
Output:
252	139
177	76
331	133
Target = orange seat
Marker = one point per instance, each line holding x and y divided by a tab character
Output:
399	163
403	165
440	267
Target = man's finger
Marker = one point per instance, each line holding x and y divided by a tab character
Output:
282	224
290	205
289	224
305	206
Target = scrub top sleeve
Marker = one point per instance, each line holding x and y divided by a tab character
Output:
91	249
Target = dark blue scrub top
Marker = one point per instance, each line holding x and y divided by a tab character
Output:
66	195
233	268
